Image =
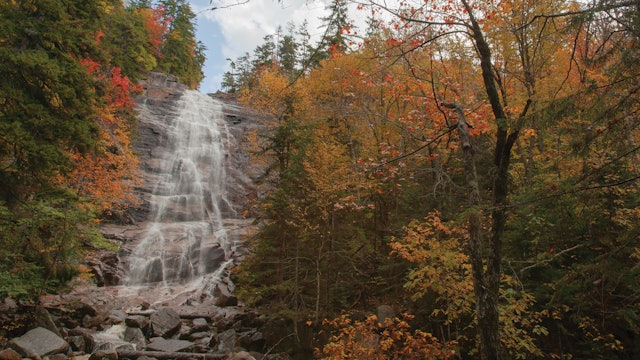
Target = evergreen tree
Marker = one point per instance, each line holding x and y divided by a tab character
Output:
287	51
47	95
181	54
337	27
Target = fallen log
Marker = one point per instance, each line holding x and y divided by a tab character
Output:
161	355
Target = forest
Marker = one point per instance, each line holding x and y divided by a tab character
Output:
70	72
473	165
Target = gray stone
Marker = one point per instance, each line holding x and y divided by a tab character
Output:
116	317
226	341
169	345
92	322
223	296
137	321
198	335
199	324
165	322
77	343
39	342
136	337
87	335
43	319
104	355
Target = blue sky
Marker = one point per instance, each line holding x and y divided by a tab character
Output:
230	32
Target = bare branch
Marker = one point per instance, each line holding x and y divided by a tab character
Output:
223	6
546	261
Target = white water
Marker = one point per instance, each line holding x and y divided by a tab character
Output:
186	237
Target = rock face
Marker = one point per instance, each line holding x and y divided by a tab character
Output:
178	320
156	108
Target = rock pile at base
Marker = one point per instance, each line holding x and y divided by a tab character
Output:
232	333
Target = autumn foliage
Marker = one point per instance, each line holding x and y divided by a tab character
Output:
527	213
108	174
371	339
70	72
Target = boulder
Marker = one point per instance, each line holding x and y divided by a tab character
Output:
116	317
42	318
137	321
136	337
88	339
39	342
223	296
77	343
169	345
226	341
165	322
199	324
198	335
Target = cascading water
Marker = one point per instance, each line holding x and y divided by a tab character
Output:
185	237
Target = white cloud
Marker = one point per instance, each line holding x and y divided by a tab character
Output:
243	27
231	31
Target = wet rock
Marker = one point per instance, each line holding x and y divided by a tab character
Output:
39	342
116	317
198	335
199	324
137	321
136	337
77	343
82	307
104	355
184	332
9	354
92	322
169	345
224	297
87	338
165	322
104	265
226	341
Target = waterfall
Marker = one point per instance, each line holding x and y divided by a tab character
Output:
185	237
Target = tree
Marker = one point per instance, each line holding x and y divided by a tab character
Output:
521	130
48	105
181	54
338	26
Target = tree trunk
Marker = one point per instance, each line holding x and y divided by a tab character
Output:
486	293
